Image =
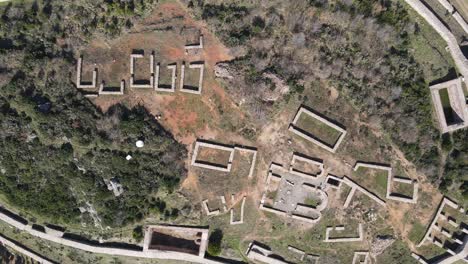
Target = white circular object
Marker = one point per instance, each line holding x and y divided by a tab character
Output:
140	144
128	157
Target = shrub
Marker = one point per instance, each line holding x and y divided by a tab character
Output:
138	233
214	242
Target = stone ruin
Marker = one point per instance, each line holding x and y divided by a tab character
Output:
217	211
390	179
341	228
111	90
456	116
152	82
314	138
457	54
311	258
208	211
190	240
171	88
453	11
115	186
261	253
23	250
291	189
190	89
241	221
358	255
79	83
207	165
447	232
308	160
198	45
149	83
160	242
222	147
354	186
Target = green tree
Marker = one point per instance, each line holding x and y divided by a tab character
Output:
138	233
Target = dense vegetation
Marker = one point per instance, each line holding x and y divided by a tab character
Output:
58	151
361	47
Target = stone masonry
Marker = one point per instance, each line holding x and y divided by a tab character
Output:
296	130
329	229
133	84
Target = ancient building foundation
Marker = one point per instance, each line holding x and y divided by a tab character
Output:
358	255
329	229
312	138
208	211
256	252
458	106
193	65
241	221
158	87
198	45
133	84
308	160
111	90
79	82
206	165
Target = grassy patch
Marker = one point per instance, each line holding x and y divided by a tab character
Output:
345	189
312	201
403	188
396	253
430	250
215	156
417	232
318	129
382	182
429	49
444	98
373	180
272	195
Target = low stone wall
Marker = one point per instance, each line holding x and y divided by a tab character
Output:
311	161
419	258
241	221
79	83
194	230
254	157
195	65
293	128
300	252
157	254
223	147
198	45
360	236
359	254
257	253
457	103
133	58
103	91
23	250
354	186
457	55
207	209
173	69
332	177
390	178
439	214
197	163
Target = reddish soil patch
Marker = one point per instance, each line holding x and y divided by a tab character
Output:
186	116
